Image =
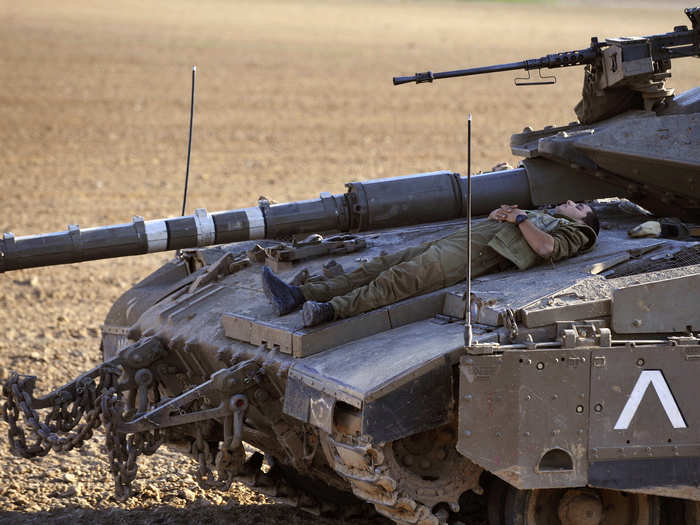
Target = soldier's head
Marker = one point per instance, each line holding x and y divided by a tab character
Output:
579	211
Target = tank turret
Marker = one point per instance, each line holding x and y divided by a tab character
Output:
633	131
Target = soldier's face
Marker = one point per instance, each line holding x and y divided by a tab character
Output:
573	210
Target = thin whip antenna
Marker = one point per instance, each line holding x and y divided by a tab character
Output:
468	335
189	142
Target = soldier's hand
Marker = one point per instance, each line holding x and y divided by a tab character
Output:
497	215
506	213
501	214
509	212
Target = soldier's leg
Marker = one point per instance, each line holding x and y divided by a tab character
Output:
286	298
325	290
442	264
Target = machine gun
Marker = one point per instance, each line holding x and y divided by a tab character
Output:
616	59
621	73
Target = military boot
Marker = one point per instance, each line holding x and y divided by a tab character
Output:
284	297
313	313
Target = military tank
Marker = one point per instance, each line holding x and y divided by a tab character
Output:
543	415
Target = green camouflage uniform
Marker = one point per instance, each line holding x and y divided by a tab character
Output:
433	265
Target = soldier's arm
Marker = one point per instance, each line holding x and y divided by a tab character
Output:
541	242
564	242
569	240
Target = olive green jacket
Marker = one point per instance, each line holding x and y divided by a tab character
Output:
570	238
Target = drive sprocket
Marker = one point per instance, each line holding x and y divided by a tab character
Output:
415	480
428	467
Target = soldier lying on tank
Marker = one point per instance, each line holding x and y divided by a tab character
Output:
511	237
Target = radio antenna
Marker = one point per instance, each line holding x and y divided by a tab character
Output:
189	142
468	335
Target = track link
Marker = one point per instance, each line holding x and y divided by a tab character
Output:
313	496
375	476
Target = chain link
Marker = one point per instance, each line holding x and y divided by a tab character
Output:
77	410
56	432
71	420
201	451
123	449
228	462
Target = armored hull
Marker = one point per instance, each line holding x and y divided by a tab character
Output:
369	404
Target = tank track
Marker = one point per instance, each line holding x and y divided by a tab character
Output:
375	475
286	486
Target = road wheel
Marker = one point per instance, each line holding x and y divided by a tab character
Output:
580	506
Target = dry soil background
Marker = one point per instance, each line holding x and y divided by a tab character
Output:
293	98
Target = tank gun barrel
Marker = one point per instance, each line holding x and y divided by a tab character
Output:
375	204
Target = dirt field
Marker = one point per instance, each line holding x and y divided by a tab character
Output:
293	98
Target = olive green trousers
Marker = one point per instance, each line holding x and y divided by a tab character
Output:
413	271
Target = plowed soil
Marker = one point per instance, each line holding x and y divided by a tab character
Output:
293	98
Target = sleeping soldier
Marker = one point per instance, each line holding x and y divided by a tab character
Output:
511	237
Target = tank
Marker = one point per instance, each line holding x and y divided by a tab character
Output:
572	403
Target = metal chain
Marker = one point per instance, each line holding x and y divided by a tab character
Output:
122	467
74	415
227	463
124	449
200	450
66	413
71	421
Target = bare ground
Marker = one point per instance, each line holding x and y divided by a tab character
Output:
293	98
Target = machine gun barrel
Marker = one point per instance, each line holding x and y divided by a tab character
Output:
375	204
429	76
555	60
